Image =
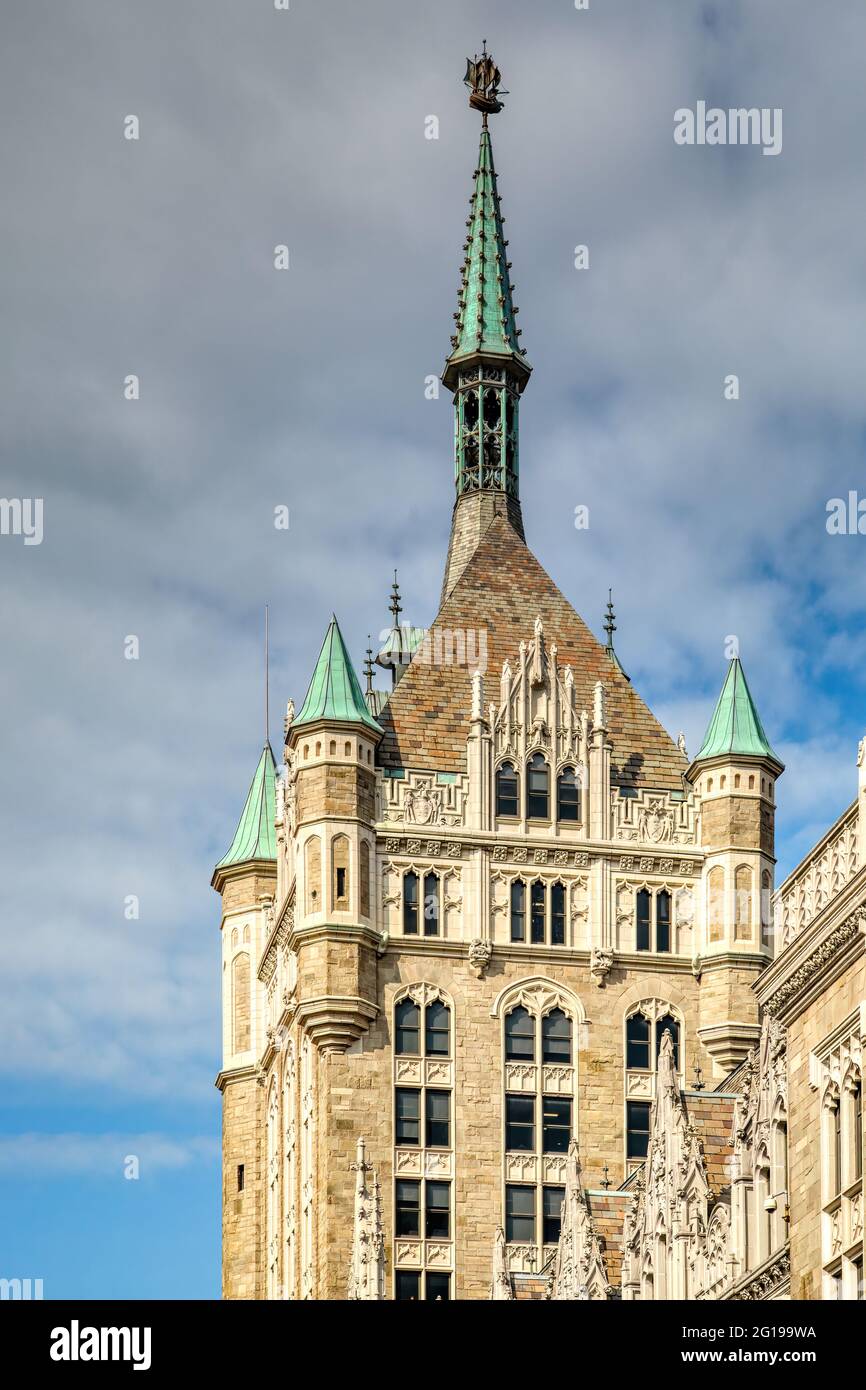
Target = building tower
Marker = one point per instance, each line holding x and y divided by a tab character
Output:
246	879
734	777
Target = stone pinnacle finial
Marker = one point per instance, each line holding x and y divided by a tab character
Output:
395	605
368	668
609	624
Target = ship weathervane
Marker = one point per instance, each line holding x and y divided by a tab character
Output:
483	78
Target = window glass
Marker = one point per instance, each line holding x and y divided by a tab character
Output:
537	788
437	1032
552	1199
408	1285
669	1025
431	905
437	1225
663	920
519	1124
518	910
642	920
520	1213
506	791
557	914
408	1204
567	795
438	1287
638	1121
536	913
408	1116
556	1038
410	904
519	1036
408	1021
637	1042
556	1126
438	1119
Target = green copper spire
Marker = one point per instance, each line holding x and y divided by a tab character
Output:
487	369
335	693
255	837
736	727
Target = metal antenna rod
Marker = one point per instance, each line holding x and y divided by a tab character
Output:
267	711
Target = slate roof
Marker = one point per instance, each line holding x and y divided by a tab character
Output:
498	597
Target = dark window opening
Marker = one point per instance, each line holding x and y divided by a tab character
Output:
431	905
438	1119
556	1124
663	921
438	1029
552	1199
438	1287
537	788
241	1178
557	914
410	904
408	1286
637	1124
408	1020
408	1204
437	1225
556	1038
506	791
669	1025
536	913
408	1116
637	1043
341	883
568	795
520	1214
520	1124
643	920
518	910
519	1036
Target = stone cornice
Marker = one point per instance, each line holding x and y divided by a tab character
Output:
225	1078
769	1279
263	868
812	961
519	850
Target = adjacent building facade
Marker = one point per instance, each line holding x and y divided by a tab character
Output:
499	1013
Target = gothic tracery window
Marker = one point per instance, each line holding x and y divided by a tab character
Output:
507	791
537	788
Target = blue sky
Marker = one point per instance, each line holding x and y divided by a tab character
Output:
306	388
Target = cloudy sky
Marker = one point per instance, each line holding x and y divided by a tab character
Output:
305	388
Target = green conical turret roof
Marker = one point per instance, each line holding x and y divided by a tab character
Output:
736	727
486	314
335	692
255	837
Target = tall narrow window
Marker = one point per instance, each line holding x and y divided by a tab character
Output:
520	1214
506	791
837	1147
567	795
431	904
556	1038
408	1027
663	920
537	788
642	909
410	904
557	914
519	1124
518	910
438	1029
438	1119
637	1124
857	1119
536	913
340	873
766	935
519	1036
637	1043
552	1199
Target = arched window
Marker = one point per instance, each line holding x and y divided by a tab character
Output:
437	1029
410	904
431	904
652	920
340	873
506	791
663	920
518	910
716	904
743	903
556	1038
536	913
407	1018
519	1036
568	795
557	914
537	788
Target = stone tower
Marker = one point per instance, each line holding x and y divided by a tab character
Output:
490	903
246	879
734	776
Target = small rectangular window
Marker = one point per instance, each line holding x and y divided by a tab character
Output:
241	1177
536	913
520	1214
437	1224
438	1119
408	1204
638	1123
341	883
408	1116
519	1124
438	1287
408	1286
556	1124
552	1199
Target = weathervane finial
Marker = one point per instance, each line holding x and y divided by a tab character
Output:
483	78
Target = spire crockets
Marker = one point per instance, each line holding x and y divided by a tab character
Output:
487	369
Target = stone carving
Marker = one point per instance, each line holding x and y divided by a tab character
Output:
774	1277
480	952
600	965
820	878
653	818
417	800
579	1271
537	707
501	1286
367	1268
835	942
